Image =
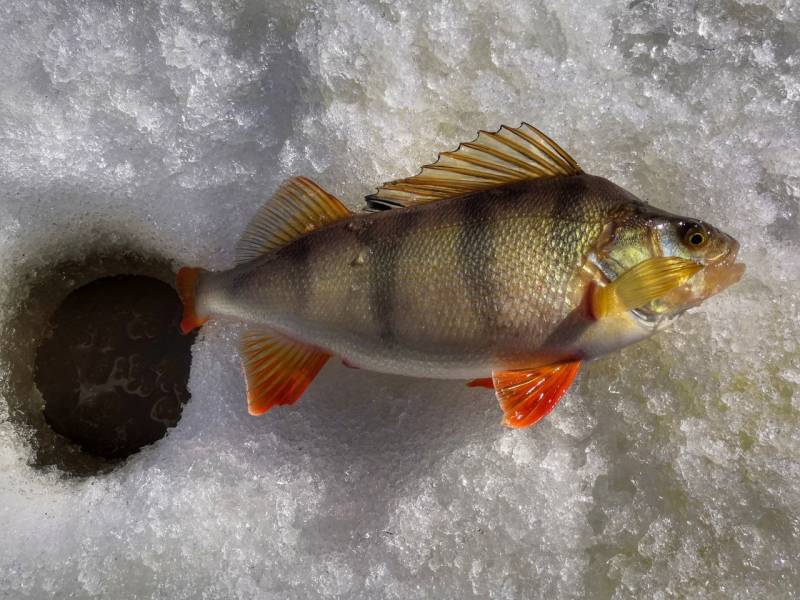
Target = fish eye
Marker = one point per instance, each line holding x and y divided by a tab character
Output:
695	236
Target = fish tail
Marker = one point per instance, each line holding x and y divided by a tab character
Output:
188	278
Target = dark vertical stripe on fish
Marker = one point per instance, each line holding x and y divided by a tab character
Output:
383	272
300	271
476	251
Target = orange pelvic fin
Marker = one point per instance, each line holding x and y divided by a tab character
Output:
187	291
486	382
278	370
528	395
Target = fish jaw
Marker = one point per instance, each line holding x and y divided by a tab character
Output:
716	276
722	278
723	272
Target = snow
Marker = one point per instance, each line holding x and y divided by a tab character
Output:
671	468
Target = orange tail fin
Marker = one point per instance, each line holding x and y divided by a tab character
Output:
187	288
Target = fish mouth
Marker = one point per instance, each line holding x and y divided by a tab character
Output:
717	274
723	272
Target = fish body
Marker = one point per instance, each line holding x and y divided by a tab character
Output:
451	289
481	272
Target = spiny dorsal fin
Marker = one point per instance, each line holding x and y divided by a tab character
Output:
278	370
491	159
298	207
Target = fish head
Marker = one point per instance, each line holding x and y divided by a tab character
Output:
649	232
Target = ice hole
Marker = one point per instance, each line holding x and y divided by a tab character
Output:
107	368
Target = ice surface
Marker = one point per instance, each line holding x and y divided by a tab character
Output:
672	468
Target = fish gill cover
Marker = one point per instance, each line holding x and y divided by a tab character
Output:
671	468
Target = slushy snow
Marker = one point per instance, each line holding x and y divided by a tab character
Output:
671	469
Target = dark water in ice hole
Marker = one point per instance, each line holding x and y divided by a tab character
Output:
113	369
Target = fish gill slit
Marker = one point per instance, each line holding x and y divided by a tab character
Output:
655	242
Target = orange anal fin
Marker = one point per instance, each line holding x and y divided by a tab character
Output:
485	382
528	395
278	370
186	285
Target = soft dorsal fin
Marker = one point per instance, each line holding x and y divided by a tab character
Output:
491	159
278	370
298	207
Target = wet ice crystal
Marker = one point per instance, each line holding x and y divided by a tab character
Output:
670	470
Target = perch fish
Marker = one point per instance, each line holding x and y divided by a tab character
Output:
503	263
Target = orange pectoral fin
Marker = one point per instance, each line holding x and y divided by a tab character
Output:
278	370
528	395
486	382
